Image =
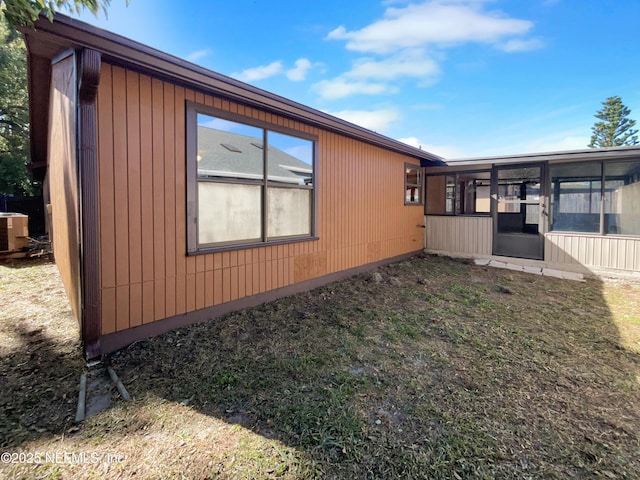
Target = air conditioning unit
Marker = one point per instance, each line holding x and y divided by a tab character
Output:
14	232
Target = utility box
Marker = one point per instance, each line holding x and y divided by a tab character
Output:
14	232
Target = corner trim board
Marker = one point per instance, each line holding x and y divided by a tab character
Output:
89	63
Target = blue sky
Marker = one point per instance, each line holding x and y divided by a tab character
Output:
460	78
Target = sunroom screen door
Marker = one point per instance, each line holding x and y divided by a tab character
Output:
517	212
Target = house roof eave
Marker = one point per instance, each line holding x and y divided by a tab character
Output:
47	38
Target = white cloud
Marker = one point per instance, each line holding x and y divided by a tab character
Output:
197	55
445	151
377	120
521	45
370	76
299	72
259	73
436	23
408	63
341	88
410	39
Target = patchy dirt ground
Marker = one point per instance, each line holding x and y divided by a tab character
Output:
427	368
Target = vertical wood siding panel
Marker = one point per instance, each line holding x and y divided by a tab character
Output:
249	277
217	286
133	185
262	276
146	179
208	289
107	201
242	282
135	304
147	200
226	285
352	207
170	199
217	261
333	213
200	290
256	277
344	163
170	295
106	187
233	283
120	182
331	199
200	263
180	205
268	265
122	307
108	299
148	301
162	297
190	285
158	174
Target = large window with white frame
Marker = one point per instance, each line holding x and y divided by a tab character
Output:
248	182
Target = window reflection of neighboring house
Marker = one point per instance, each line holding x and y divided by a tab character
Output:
233	156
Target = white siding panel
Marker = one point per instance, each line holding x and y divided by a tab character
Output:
610	252
459	235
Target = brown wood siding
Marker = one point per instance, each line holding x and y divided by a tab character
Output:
63	177
145	272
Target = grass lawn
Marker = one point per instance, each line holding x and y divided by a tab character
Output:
433	369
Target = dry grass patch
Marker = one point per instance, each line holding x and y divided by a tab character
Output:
440	370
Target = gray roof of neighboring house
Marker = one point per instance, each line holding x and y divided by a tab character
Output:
231	155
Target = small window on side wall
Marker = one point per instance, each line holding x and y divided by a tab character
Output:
412	185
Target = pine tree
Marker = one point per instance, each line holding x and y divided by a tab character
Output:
615	128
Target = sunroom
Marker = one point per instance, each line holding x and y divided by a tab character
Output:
575	211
